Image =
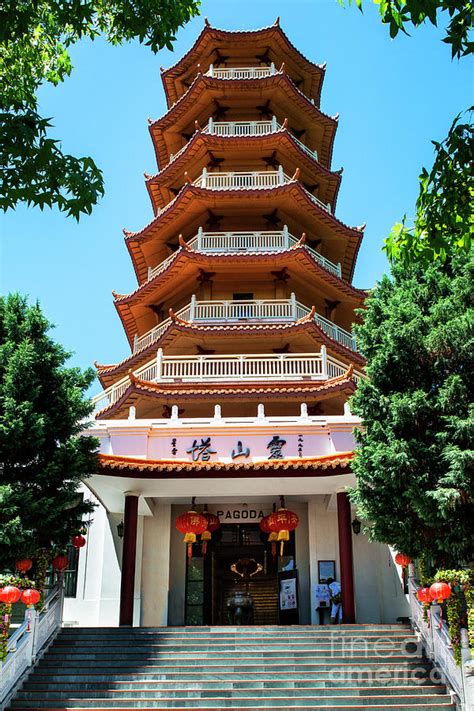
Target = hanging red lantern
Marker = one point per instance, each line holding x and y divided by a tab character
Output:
282	522
30	597
60	562
440	592
78	541
192	524
24	565
273	537
213	524
9	594
424	595
402	559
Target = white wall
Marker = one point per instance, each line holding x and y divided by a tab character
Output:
156	566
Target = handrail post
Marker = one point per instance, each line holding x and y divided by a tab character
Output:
135	342
199	241
204	178
324	362
274	123
293	305
211	70
286	236
281	175
210	124
159	364
192	308
150	270
338	268
272	68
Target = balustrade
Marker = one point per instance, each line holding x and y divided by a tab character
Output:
240	72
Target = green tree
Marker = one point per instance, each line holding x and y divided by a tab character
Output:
43	457
34	39
400	15
414	462
444	222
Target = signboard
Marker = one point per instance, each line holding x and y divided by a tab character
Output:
288	598
322	595
326	569
240	513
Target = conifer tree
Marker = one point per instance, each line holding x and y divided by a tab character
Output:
43	458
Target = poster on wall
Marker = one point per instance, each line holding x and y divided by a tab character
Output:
288	599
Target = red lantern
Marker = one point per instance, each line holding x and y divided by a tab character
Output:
78	541
402	559
191	524
30	597
213	524
424	595
24	565
282	522
440	592
9	594
60	563
272	538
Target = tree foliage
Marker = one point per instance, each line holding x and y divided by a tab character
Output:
414	463
401	14
34	39
444	210
43	458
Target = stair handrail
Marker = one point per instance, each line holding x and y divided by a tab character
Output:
31	639
434	637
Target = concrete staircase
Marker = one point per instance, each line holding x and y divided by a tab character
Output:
345	667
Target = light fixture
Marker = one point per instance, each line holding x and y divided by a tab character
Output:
120	529
356	525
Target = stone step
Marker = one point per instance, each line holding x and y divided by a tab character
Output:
152	640
160	684
396	703
335	641
158	693
139	654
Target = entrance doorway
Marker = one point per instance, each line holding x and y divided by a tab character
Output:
239	560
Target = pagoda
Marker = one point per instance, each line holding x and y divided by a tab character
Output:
240	324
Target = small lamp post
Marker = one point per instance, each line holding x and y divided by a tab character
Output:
356	525
120	529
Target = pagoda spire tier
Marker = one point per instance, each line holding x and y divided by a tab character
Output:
223	49
243	99
243	145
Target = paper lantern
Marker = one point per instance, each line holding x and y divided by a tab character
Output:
424	595
402	559
192	524
282	522
9	594
273	536
213	524
24	565
30	597
78	541
440	592
60	562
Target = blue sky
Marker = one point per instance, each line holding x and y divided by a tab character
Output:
393	97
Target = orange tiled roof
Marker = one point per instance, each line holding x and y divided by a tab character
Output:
322	465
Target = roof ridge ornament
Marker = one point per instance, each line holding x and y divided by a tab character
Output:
296	174
147	176
150	120
277	22
184	244
177	319
361	227
206	22
336	117
307	317
126	232
187	178
301	242
197	126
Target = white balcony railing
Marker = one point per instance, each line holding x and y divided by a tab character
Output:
240	72
246	367
270	310
250	180
252	128
240	242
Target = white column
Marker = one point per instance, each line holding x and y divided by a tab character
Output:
156	566
159	364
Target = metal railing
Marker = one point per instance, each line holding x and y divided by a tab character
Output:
434	637
28	641
240	72
264	241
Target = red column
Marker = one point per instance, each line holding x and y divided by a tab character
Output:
129	553
345	557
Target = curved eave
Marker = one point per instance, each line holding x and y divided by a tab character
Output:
189	193
325	465
151	289
186	105
109	374
211	37
176	168
183	392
